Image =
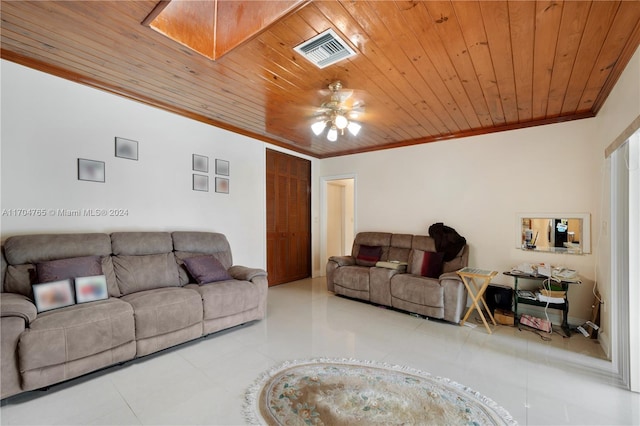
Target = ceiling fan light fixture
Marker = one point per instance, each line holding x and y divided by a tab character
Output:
318	127
332	134
340	121
354	128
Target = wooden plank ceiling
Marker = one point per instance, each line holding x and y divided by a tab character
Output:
425	71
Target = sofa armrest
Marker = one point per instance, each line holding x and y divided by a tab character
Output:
450	276
17	305
455	296
246	274
343	260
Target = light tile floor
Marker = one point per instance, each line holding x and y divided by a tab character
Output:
565	381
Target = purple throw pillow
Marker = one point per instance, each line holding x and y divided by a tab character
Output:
368	255
62	269
432	264
206	269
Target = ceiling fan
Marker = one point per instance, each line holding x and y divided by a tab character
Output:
338	113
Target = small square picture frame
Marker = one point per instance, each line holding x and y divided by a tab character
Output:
126	148
91	170
91	289
222	167
200	163
222	185
200	182
53	295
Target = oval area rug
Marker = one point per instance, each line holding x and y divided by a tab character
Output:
351	392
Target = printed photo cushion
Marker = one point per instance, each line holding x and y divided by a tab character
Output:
206	269
90	289
53	295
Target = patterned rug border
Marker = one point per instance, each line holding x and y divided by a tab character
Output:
251	411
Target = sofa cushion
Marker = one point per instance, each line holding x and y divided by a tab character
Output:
431	264
368	255
140	243
204	243
23	249
206	269
417	289
183	274
61	269
75	332
425	263
53	295
164	310
20	279
352	277
226	298
141	273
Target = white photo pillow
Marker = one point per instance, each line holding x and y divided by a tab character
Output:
53	295
90	289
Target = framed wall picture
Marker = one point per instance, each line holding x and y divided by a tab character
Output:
222	167
200	163
200	182
126	148
222	185
90	170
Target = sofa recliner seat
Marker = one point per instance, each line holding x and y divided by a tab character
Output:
443	297
153	303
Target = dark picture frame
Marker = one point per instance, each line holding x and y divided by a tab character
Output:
91	170
200	163
222	167
222	185
126	148
200	182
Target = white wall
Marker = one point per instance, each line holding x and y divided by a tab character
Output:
48	123
621	108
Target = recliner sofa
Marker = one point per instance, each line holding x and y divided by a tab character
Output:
153	303
399	281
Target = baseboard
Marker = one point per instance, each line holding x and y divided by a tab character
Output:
605	343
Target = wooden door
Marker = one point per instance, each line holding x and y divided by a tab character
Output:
288	218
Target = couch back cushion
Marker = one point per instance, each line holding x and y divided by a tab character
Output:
140	243
23	252
400	247
190	244
140	273
372	240
143	261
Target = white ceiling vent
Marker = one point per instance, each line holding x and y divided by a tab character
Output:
325	49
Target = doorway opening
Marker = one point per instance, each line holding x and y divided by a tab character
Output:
338	216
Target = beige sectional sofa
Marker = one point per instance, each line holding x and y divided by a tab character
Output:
153	302
402	278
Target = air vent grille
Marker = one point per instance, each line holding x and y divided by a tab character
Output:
325	49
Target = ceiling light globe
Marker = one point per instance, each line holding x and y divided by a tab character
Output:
354	128
340	121
317	127
332	134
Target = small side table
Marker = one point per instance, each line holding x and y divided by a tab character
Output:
476	290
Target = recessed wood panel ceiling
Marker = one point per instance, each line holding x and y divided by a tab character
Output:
426	71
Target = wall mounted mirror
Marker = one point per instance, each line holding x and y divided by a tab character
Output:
568	233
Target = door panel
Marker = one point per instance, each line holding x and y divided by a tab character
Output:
288	218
